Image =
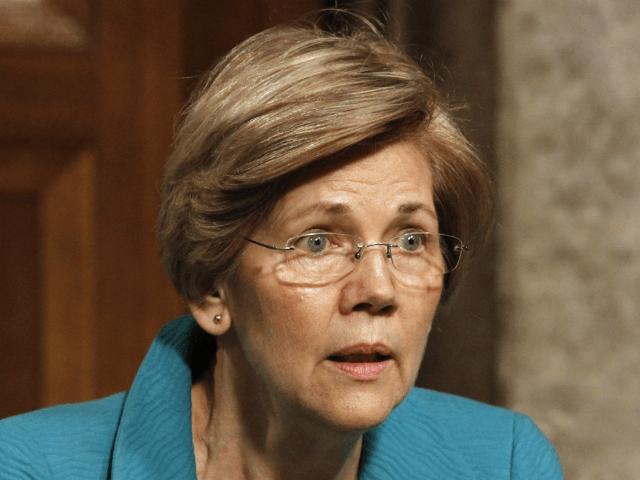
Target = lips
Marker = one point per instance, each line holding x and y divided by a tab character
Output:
362	361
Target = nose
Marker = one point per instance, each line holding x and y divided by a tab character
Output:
370	286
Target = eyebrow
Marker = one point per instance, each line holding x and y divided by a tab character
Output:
409	208
333	208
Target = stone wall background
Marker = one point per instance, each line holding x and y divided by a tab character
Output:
568	148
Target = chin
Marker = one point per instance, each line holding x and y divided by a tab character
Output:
361	412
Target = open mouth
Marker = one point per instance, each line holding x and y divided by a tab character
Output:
360	358
364	363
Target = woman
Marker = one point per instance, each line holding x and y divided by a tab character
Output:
315	210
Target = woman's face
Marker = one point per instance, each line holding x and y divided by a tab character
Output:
346	350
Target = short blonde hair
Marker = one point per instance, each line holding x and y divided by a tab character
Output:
287	98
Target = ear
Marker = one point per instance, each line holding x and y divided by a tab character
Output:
212	314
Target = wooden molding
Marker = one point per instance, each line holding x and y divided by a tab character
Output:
26	171
19	309
38	24
47	96
62	183
67	223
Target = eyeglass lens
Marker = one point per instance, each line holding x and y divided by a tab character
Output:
414	253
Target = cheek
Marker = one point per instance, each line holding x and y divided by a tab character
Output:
272	318
298	318
422	309
282	336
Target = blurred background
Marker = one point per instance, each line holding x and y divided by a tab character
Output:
548	321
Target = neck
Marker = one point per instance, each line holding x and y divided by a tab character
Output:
237	435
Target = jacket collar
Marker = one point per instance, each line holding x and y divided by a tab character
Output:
154	439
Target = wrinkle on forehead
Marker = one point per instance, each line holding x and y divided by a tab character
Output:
376	183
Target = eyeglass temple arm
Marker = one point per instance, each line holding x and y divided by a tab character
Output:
272	247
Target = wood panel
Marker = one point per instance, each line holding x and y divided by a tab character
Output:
81	11
214	28
138	66
46	116
68	288
44	24
162	53
46	96
20	372
47	256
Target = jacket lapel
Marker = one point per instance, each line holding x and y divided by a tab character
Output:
413	443
154	439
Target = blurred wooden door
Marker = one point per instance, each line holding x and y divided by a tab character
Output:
89	92
47	207
88	95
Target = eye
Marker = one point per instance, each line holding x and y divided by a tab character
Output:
315	243
412	242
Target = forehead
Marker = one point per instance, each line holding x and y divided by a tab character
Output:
395	179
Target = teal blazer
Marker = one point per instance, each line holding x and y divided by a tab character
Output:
146	433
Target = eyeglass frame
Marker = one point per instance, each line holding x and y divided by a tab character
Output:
358	254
